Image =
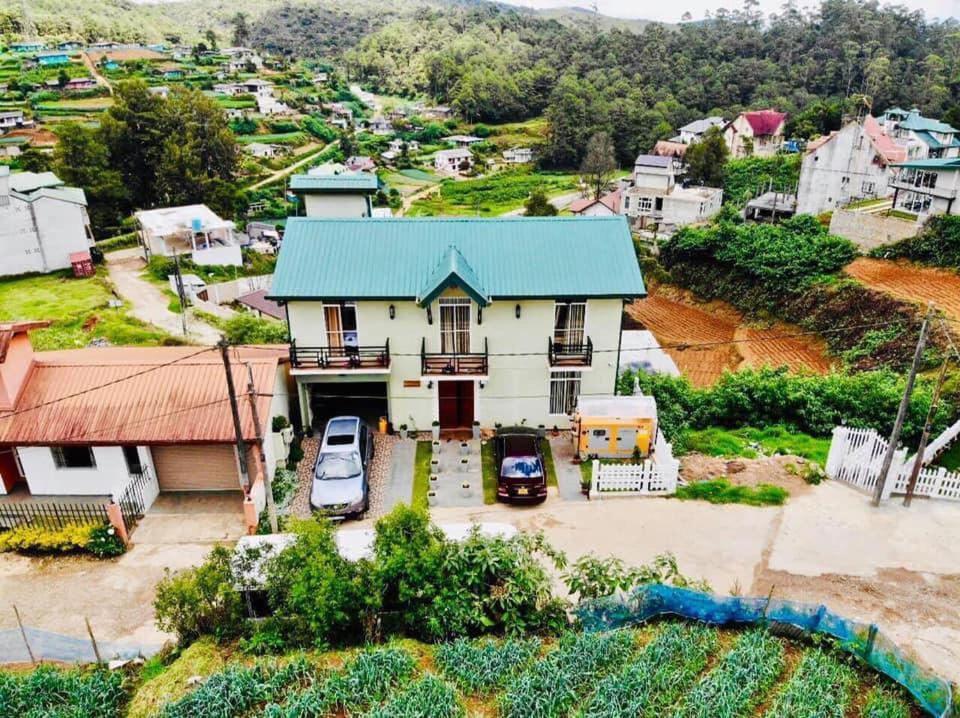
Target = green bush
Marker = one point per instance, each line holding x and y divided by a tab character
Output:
937	244
745	177
247	328
98	539
201	601
104	542
121	241
721	491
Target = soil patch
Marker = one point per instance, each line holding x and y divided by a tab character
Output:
910	282
774	470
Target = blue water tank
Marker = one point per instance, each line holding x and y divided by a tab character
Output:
197	225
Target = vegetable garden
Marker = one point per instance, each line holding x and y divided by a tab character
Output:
669	669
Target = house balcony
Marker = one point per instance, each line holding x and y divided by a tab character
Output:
454	364
335	360
941	192
570	355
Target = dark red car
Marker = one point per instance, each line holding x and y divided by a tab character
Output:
521	473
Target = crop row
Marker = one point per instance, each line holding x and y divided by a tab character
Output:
883	704
482	665
819	688
49	692
551	686
661	674
739	681
428	697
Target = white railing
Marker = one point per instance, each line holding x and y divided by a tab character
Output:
856	458
935	447
655	477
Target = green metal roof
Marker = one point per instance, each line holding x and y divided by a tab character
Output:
932	142
409	258
453	271
940	163
917	122
346	182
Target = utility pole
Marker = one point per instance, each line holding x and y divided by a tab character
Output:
241	444
181	293
267	480
925	436
902	411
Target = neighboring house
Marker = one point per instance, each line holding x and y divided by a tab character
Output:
381	127
190	230
320	78
42	222
452	160
927	187
88	422
52	59
440	112
456	321
229	88
11	119
80	83
462	140
340	112
338	196
69	46
676	151
260	150
256	86
654	196
257	303
518	155
849	164
161	91
688	134
242	61
606	206
922	137
758	133
360	163
396	145
22	47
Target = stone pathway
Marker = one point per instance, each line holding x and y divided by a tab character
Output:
399	489
380	475
568	473
451	475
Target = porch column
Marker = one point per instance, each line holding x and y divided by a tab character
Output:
304	395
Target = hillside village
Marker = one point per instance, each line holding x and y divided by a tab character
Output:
334	385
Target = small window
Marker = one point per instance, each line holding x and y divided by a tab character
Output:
132	456
73	457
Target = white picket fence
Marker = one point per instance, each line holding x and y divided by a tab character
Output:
856	458
658	476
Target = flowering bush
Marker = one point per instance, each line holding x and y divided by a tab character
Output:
104	542
98	539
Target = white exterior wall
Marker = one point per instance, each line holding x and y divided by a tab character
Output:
517	387
839	171
337	206
279	405
655	179
109	476
740	129
946	180
45	243
684	208
597	209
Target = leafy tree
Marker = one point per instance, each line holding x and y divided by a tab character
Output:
537	205
82	159
241	31
707	159
211	38
599	163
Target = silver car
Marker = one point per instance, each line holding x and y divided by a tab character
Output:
340	486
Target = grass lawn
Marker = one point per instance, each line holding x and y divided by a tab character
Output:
746	441
950	459
289	138
551	468
85	103
421	475
79	309
721	491
488	468
493	195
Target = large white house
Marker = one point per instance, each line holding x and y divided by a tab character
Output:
849	164
455	321
194	230
42	222
927	187
452	160
653	196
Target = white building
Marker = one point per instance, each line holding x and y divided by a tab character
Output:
518	155
336	196
11	120
261	150
462	140
455	320
927	187
850	164
396	145
757	134
381	127
653	196
922	137
42	222
190	230
690	133
452	160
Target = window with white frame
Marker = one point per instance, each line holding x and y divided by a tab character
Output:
564	389
868	188
644	204
454	325
341	322
73	457
568	322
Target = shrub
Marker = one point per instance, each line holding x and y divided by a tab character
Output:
121	241
47	691
98	539
721	491
593	577
201	601
104	542
246	328
279	423
937	244
428	697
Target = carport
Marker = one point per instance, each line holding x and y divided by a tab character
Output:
366	399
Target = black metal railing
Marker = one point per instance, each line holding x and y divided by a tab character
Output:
454	364
131	500
565	354
368	357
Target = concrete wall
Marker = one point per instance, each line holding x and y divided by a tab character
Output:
109	476
227	292
839	171
868	231
337	206
43	239
518	387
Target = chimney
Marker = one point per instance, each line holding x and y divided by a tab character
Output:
16	360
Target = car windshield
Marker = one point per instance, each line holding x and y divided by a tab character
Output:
338	466
521	467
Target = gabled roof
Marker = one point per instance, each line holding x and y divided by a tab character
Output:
883	143
611	201
652	161
453	270
346	182
398	258
933	143
30	181
669	148
917	122
764	122
698	127
258	300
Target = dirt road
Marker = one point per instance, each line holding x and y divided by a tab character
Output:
911	282
149	303
286	171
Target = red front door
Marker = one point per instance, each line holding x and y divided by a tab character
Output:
9	471
456	404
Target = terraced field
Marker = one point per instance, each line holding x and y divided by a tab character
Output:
676	320
910	282
668	670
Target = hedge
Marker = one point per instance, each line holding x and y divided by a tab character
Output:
97	539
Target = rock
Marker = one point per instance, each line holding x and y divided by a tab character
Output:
118	663
735	467
194	680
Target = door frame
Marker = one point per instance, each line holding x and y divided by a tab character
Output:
473	416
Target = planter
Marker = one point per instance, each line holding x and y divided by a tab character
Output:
435	447
435	466
464	448
464	464
286	434
435	430
542	431
465	491
411	433
476	430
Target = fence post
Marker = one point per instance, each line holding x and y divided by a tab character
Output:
594	484
250	515
838	445
115	514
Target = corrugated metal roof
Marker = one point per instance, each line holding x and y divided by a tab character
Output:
916	121
511	257
652	161
942	163
453	270
334	183
126	395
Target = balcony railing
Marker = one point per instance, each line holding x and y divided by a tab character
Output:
570	354
942	192
459	364
340	358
